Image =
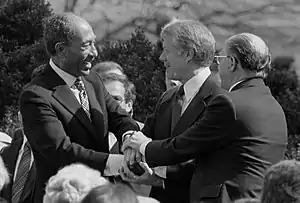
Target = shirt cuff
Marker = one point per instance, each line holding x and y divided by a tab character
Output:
113	164
127	134
143	148
161	171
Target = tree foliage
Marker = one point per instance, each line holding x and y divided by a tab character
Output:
21	51
140	60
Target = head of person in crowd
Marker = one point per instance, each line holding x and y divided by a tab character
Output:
188	47
247	200
107	67
37	71
115	193
243	56
4	176
72	183
282	183
121	90
70	41
111	193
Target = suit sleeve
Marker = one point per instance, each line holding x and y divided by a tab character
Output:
207	134
119	121
47	136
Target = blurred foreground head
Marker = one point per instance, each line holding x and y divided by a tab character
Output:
72	183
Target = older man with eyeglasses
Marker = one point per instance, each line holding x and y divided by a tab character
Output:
239	136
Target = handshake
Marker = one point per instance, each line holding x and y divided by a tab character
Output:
132	153
134	168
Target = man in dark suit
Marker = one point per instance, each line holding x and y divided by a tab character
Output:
66	110
15	158
169	119
240	134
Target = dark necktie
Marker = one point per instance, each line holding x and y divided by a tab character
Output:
22	173
83	96
177	106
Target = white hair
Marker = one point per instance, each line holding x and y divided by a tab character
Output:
192	35
4	176
72	183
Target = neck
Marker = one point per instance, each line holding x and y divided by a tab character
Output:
239	77
192	71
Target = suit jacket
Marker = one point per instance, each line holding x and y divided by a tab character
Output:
60	132
239	136
159	126
10	155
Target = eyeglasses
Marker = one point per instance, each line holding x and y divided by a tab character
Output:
217	59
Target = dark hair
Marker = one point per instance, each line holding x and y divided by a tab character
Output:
58	28
111	193
251	51
282	183
107	66
130	93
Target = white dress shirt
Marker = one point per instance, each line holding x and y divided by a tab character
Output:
234	85
5	140
21	151
191	88
114	161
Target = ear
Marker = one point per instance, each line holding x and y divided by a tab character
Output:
233	63
129	106
189	55
61	49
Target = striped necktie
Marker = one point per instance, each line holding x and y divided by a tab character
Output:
22	173
83	96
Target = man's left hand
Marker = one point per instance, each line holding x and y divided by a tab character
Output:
148	178
135	141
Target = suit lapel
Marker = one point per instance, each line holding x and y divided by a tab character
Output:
195	108
63	94
96	111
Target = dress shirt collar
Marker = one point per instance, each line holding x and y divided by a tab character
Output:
234	85
192	86
69	79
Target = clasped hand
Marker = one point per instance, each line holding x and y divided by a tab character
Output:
130	148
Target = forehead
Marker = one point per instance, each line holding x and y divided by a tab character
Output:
83	31
167	40
115	88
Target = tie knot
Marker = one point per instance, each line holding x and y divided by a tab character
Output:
79	84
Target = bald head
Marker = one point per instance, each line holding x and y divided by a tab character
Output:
61	28
251	51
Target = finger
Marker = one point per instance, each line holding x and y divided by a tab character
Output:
125	144
132	157
123	176
127	154
129	173
146	167
138	157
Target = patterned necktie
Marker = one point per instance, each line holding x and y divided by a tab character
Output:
83	96
22	173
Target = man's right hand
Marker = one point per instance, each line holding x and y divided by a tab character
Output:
132	156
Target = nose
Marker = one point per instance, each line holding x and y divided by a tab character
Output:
162	57
94	51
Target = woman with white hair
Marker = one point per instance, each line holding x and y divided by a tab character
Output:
72	183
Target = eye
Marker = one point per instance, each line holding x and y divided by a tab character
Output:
118	98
